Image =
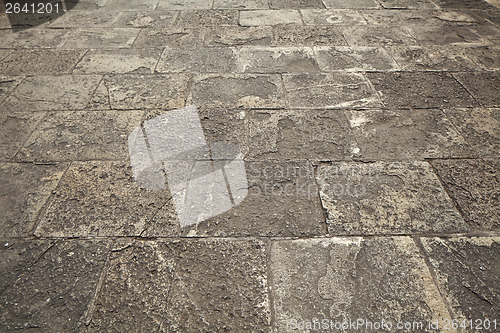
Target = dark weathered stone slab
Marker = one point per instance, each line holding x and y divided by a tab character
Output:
158	19
351	4
170	37
207	18
295	4
331	17
308	36
40	61
277	60
33	38
407	4
375	35
118	61
484	86
487	57
237	35
354	58
442	34
385	198
15	128
198	60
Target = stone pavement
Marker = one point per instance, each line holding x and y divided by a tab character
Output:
370	135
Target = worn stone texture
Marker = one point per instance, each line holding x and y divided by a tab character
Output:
308	36
241	4
340	279
354	58
184	5
330	90
487	57
108	203
331	17
40	61
484	86
281	4
80	135
406	135
56	291
408	90
198	60
270	17
170	37
444	34
467	271
33	38
474	185
237	35
85	19
7	84
374	35
407	4
118	61
276	60
352	4
385	198
157	19
15	128
208	18
100	38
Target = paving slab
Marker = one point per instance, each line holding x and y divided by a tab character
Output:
386	198
480	127
299	134
80	135
134	91
277	60
207	18
134	292
62	281
432	58
420	17
118	61
85	19
4	53
48	92
484	86
408	4
99	198
295	4
439	34
458	4
219	283
329	90
408	90
33	38
270	17
15	128
487	57
184	5
241	4
282	201
237	35
331	17
198	60
7	84
337	280
473	184
237	90
374	35
406	135
157	19
308	36
100	38
125	5
354	58
40	61
467	272
169	37
353	4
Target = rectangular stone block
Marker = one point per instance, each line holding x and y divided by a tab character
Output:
198	60
386	198
331	17
118	61
351	4
374	35
15	128
207	18
408	4
484	86
184	5
170	37
33	38
277	60
308	36
241	4
295	4
237	35
40	61
270	17
440	34
354	58
104	38
85	19
486	57
159	19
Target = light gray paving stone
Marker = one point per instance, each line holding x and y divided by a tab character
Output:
184	5
331	17
354	58
308	36
241	4
133	91
33	38
432	58
170	37
219	283
386	198
374	35
25	189
49	92
85	19
296	135
473	184
467	272
15	128
100	38
62	281
237	35
101	198
351	4
207	18
81	135
406	135
270	17
484	86
156	19
4	53
118	61
440	34
7	84
40	61
295	4
329	90
480	128
339	279
420	18
408	4
237	90
487	57
198	60
125	5
277	60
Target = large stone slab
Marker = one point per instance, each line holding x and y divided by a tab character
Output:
385	198
7	84
116	6
118	61
237	35
48	92
85	19
277	60
335	281
420	90
102	199
331	17
299	134
198	60
15	128
442	34
100	38
351	4
295	4
473	184
354	58
170	37
270	17
55	293
330	90
282	200
467	272
207	18
375	35
484	86
408	4
80	135
480	128
487	57
184	5
40	61
241	4
33	38
308	36
406	135
219	284
237	90
158	19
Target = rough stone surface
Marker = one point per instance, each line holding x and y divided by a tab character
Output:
443	34
350	4
331	17
32	38
40	61
401	135
385	198
361	35
487	57
341	278
207	18
157	19
281	4
483	86
270	17
357	58
100	38
276	60
308	36
474	185
170	37
237	35
241	4
198	60
13	123
118	61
